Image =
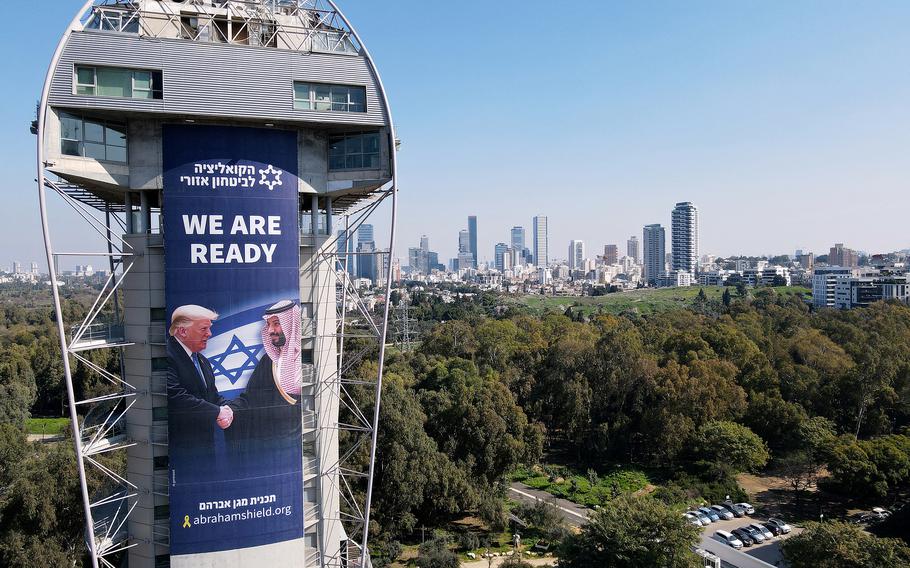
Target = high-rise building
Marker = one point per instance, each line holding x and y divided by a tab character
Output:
576	255
518	238
611	254
632	249
654	240
465	257
839	255
472	231
541	253
346	258
502	254
425	243
366	261
685	237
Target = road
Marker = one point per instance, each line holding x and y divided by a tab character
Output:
756	556
575	515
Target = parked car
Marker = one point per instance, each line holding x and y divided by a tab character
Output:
764	532
728	539
743	536
710	513
784	527
737	510
774	529
722	512
705	519
692	519
749	509
754	533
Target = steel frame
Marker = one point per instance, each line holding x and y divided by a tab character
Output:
107	537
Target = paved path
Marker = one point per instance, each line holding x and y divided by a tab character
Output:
575	515
497	561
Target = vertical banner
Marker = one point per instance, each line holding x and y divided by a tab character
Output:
234	340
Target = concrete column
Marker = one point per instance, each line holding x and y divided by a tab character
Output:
129	213
314	213
145	213
329	226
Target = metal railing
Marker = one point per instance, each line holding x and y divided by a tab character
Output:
98	333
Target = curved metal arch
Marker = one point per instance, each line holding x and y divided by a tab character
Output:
48	247
388	284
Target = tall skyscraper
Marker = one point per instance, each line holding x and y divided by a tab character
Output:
472	231
346	261
685	237
425	243
518	238
541	253
654	239
464	241
632	249
576	255
611	254
366	261
503	257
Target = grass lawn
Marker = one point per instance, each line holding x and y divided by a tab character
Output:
49	426
644	301
561	482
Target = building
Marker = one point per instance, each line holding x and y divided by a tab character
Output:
675	279
611	254
633	250
685	237
897	289
472	237
541	252
502	254
839	255
859	292
466	258
654	241
767	276
576	256
517	240
806	260
276	111
824	282
366	259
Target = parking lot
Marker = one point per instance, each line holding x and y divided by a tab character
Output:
767	553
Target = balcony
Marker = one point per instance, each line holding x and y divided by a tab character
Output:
97	336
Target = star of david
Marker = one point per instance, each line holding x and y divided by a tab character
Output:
275	177
236	347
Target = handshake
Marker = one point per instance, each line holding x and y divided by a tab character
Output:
225	417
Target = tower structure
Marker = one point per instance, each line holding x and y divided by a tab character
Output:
541	252
685	238
236	134
633	250
472	236
654	239
576	256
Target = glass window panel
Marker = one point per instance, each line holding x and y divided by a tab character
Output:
323	97
358	99
94	131
336	162
85	75
116	154
70	147
371	142
355	161
142	80
353	144
114	82
356	107
336	146
70	127
303	104
84	90
115	136
371	161
340	97
93	150
301	91
141	94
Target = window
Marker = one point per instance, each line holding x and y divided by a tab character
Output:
118	82
161	462
158	314
354	151
339	98
160	364
162	512
91	138
159	414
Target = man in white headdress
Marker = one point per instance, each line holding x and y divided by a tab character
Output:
269	407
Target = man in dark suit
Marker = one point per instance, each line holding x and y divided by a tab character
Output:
194	405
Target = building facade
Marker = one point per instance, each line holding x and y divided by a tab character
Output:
611	254
576	255
654	240
472	237
824	283
633	249
685	237
126	74
541	249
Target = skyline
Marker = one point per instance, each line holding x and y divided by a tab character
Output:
791	118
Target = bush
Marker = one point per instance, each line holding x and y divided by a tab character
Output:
468	541
436	554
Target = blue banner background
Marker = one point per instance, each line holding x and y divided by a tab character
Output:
225	157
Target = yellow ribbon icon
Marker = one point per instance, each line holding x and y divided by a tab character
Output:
186	522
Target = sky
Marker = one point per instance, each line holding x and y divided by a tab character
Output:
787	123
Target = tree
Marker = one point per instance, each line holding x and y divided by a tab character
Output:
17	385
436	554
727	299
841	545
732	445
630	532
